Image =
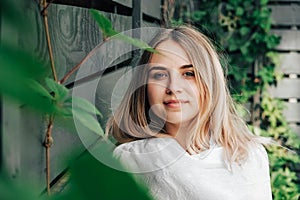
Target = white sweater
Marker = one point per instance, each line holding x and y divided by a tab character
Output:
171	173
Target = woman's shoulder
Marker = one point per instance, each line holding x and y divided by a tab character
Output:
149	154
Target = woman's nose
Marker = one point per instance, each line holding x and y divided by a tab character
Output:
175	84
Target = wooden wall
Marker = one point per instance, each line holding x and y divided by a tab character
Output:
286	23
74	34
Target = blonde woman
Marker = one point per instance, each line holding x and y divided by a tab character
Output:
178	130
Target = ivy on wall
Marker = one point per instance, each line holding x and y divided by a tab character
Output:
241	30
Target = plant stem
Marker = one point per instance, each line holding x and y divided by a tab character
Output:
45	17
48	143
74	69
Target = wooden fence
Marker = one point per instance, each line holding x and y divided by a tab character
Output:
73	33
286	23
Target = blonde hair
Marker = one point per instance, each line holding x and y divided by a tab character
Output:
218	122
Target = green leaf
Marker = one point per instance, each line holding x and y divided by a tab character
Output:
264	2
60	91
239	11
244	30
16	63
87	120
38	88
232	46
18	73
108	31
104	23
136	42
85	105
92	179
245	48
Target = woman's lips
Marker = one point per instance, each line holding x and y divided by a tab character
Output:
174	103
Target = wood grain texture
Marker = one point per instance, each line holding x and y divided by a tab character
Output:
289	63
151	8
22	148
286	88
73	35
290	39
285	14
292	112
295	128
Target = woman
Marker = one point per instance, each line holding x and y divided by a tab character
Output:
178	129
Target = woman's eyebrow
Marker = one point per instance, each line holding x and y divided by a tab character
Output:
186	66
164	68
157	68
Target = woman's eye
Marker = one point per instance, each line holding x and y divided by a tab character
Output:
189	74
159	76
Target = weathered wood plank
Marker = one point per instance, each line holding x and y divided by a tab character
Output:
110	90
151	8
285	14
24	130
289	63
16	132
292	112
290	39
295	128
74	34
22	144
286	88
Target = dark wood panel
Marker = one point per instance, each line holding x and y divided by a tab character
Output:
286	14
109	87
150	8
75	34
289	63
287	88
290	39
122	7
22	144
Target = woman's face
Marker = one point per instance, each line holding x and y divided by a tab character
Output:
172	88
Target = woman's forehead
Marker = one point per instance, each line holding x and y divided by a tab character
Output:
170	53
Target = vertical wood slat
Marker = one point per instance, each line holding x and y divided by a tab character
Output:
21	139
150	8
136	14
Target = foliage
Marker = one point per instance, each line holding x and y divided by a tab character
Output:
108	31
23	78
241	29
90	179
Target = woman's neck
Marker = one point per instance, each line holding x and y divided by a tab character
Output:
181	132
